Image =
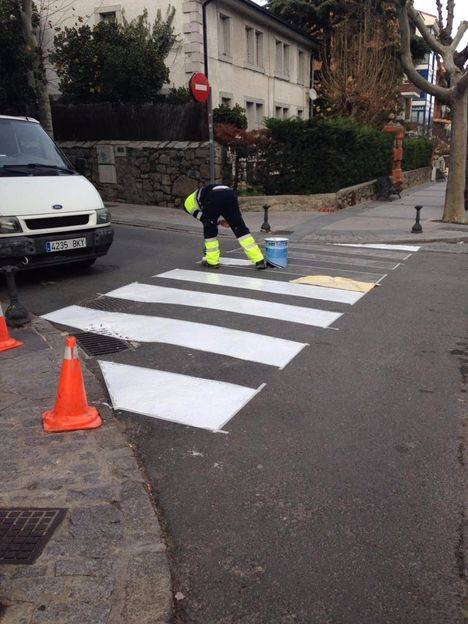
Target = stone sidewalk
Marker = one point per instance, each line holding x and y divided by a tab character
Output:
370	222
106	563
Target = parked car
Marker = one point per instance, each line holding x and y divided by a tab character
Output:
49	213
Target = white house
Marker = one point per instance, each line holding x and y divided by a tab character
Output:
254	58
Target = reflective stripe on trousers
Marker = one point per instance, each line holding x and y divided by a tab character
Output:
212	253
251	249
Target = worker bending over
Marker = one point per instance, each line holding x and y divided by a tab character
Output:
214	205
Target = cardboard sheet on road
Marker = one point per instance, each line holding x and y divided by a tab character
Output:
328	281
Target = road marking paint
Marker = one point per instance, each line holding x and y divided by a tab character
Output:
381	246
267	286
337	259
238	262
147	293
336	282
346	250
192	401
211	338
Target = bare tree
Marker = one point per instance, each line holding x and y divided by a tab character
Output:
455	94
36	75
362	77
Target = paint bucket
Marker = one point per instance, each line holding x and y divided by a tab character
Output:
276	251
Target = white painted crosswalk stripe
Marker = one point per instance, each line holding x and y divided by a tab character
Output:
380	246
267	286
243	345
147	293
182	399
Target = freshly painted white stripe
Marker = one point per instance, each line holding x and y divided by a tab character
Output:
147	293
232	342
381	246
240	262
268	286
191	401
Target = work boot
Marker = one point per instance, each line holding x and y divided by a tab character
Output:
261	264
210	266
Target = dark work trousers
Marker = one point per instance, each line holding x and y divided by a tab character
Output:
222	203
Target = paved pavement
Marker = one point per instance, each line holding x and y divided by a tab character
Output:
107	562
333	493
387	222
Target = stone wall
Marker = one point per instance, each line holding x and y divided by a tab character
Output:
146	172
330	202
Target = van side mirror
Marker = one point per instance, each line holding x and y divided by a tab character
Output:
80	165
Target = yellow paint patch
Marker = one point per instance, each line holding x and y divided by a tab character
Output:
344	283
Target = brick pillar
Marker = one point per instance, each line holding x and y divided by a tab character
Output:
397	171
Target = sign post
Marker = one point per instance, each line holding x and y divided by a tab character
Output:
201	92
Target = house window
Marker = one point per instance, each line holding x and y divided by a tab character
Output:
250	36
224	35
281	112
226	101
108	16
282	58
254	41
255	114
300	113
258	48
301	68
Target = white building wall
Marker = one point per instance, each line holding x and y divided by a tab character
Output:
231	76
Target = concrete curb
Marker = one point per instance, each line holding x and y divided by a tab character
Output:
107	562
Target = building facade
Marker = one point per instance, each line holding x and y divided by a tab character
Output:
254	59
419	105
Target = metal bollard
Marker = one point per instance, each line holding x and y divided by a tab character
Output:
417	227
16	314
265	227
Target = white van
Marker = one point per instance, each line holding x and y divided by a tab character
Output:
49	213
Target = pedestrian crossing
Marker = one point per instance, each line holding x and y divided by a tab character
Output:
232	314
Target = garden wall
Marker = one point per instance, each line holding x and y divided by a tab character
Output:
330	202
146	172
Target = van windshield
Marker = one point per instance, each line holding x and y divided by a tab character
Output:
26	148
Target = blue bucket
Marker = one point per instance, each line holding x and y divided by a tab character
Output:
277	251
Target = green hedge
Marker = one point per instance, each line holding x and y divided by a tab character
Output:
322	155
417	153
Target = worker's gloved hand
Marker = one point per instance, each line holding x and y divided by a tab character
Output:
223	223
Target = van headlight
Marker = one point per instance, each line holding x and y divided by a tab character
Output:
9	225
103	215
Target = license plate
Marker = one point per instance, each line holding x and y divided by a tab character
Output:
66	245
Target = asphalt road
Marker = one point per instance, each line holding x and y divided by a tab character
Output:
335	496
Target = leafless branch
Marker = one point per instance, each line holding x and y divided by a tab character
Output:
462	28
426	34
440	14
443	94
450	14
462	84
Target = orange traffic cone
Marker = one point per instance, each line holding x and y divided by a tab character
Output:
5	341
71	411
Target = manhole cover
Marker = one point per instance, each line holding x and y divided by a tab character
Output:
111	305
25	531
96	344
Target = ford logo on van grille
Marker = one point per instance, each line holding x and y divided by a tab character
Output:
57	206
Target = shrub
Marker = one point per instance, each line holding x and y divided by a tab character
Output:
235	116
240	142
322	155
417	153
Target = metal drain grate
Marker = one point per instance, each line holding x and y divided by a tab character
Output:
25	531
96	344
111	305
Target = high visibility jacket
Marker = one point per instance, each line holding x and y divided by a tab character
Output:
195	202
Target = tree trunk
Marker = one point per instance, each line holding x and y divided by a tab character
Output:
454	209
36	78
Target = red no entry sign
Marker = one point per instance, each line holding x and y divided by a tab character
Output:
200	87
